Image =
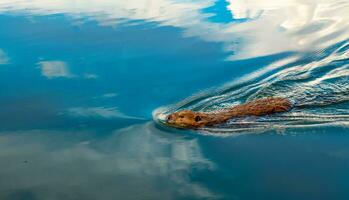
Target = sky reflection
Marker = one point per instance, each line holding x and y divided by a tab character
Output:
274	26
55	69
80	79
3	57
137	162
99	112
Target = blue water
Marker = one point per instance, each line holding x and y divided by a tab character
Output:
83	86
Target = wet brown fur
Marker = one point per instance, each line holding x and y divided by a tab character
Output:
260	107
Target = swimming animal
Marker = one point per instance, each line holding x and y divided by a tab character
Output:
260	107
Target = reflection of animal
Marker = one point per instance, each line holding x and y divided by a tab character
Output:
260	107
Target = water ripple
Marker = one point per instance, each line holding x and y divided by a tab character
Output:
313	33
318	87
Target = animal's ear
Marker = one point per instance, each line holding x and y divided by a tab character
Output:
197	118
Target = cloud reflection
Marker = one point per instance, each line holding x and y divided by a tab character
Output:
291	25
274	26
3	57
55	69
90	76
139	162
100	112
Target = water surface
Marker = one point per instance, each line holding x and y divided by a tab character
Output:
81	83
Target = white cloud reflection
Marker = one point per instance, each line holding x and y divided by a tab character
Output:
90	76
138	162
3	57
55	69
291	25
101	112
109	95
277	26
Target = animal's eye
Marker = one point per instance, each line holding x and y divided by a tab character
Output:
197	118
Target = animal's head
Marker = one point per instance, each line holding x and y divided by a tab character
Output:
187	119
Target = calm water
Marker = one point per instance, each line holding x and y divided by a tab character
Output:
84	83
